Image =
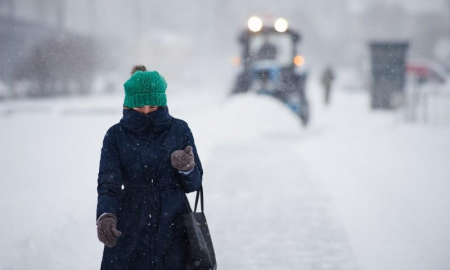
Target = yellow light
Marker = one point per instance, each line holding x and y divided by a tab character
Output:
255	24
236	61
281	25
299	60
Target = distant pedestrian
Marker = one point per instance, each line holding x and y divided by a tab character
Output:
327	81
148	162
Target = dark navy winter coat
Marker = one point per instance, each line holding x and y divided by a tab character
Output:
138	184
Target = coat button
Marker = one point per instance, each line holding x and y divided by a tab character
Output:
150	216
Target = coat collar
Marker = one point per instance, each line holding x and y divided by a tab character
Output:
139	123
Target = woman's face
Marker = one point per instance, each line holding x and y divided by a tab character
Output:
146	109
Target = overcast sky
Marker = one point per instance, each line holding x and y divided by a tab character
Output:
411	5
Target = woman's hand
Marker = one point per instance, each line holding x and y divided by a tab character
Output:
106	230
183	160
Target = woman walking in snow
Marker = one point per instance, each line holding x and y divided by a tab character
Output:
148	162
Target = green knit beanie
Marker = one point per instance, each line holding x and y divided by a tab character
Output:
145	88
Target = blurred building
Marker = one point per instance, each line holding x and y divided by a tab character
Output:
39	55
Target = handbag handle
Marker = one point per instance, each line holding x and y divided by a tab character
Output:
199	192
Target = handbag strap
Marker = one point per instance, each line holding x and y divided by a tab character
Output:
199	192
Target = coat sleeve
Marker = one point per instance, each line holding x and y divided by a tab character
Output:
110	176
193	180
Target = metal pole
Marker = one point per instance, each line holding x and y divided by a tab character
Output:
426	98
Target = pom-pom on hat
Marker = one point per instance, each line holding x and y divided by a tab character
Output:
145	88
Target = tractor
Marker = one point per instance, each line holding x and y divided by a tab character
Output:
272	66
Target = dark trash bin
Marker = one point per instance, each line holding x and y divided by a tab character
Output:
388	73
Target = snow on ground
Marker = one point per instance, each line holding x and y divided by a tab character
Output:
355	190
389	182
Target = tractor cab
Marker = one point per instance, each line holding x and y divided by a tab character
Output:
270	64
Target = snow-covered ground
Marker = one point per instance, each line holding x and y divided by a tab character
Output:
388	181
355	190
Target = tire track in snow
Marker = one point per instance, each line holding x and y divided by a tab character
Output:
266	213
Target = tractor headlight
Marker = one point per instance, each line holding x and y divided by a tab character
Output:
255	24
299	60
235	61
281	25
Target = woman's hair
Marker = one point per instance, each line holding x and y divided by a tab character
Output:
138	67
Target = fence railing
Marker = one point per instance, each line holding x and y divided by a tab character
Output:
426	103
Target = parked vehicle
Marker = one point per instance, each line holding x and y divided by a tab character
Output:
428	72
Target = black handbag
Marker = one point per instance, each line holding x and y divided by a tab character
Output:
201	254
